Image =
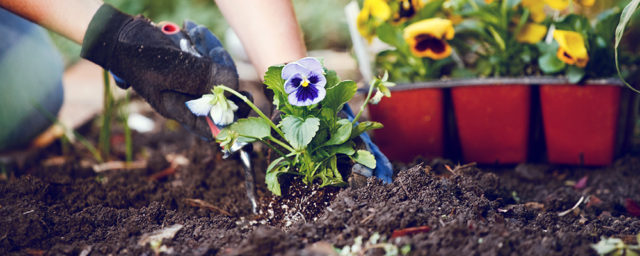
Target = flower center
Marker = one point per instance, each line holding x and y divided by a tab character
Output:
304	83
425	42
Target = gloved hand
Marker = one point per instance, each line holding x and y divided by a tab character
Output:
165	70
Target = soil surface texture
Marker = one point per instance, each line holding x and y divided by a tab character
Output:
55	203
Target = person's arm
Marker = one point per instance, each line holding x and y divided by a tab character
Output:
268	30
69	18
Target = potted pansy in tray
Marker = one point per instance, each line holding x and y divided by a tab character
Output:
496	40
314	136
417	38
581	116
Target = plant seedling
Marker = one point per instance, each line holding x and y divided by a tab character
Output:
311	136
615	246
376	241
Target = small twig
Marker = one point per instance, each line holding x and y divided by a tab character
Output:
449	169
176	160
572	208
409	231
204	204
368	218
119	165
403	187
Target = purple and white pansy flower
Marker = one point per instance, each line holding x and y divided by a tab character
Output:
304	82
215	105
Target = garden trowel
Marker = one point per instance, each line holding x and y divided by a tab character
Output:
241	152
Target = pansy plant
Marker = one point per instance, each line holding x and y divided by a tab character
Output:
311	137
577	49
418	40
498	37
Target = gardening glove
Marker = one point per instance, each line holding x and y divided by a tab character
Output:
383	170
166	68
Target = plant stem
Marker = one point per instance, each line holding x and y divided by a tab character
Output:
273	147
364	104
256	109
474	5
282	144
127	131
70	133
105	130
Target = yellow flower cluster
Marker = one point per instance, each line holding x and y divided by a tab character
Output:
426	38
373	13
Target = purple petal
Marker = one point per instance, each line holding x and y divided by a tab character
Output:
317	79
292	69
293	83
306	96
312	64
201	106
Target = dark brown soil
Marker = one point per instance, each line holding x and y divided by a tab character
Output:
58	205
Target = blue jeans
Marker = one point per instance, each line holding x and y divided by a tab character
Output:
30	81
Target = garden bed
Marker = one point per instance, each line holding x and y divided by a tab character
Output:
60	205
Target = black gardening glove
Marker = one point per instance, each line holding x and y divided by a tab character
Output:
165	68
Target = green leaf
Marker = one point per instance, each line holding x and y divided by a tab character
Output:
274	170
389	34
575	74
339	94
364	127
332	79
299	132
626	15
274	163
271	178
550	64
605	23
606	245
252	127
406	249
273	79
365	158
342	134
429	10
345	148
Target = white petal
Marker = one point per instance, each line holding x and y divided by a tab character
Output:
311	64
201	106
227	117
292	69
376	98
216	116
232	105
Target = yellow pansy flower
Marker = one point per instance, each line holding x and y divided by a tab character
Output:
407	9
531	33
572	49
488	1
586	3
536	8
563	4
373	13
427	38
